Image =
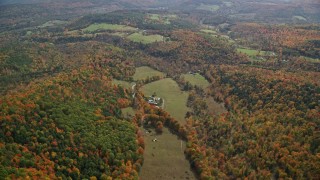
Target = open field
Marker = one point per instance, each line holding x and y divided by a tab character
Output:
214	34
299	18
145	39
160	18
127	112
124	84
164	159
52	23
145	71
105	26
311	59
208	31
251	52
196	79
208	7
154	17
228	4
175	99
28	33
227	38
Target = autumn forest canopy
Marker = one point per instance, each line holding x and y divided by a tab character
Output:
152	89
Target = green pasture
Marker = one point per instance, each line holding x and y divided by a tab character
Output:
228	4
124	84
196	79
208	7
175	100
251	52
161	18
208	31
313	60
145	39
104	26
164	159
144	71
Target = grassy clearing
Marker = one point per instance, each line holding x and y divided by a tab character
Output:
311	59
145	39
172	16
155	17
161	18
208	31
52	23
124	84
251	52
255	55
145	71
214	34
227	38
196	79
299	18
28	33
165	158
105	26
175	100
208	7
128	112
228	4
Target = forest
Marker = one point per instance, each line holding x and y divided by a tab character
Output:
238	90
69	126
270	128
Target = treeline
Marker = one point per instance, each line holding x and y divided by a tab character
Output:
131	18
69	126
151	116
148	80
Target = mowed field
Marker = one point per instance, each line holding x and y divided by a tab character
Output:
175	100
250	52
208	7
145	71
145	39
196	79
164	159
105	26
124	84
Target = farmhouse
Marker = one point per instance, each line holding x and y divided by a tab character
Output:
151	101
155	101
